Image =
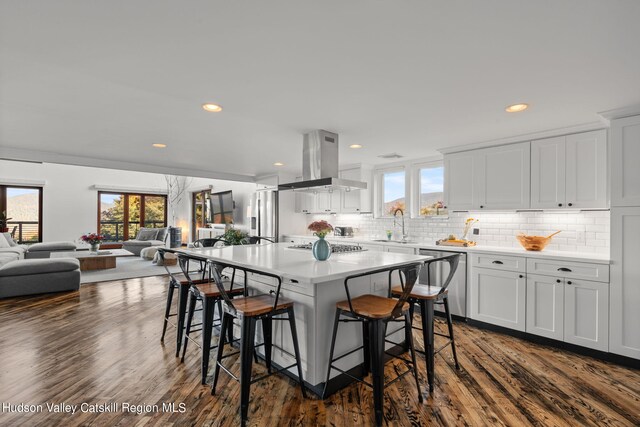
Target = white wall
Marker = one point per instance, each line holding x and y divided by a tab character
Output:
70	203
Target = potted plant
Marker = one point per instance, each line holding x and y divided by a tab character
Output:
94	239
321	249
3	222
233	236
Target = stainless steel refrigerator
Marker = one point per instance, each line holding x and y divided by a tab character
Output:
264	214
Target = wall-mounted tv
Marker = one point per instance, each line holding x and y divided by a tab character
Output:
221	208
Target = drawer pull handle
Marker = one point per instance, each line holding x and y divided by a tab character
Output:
521	276
565	269
497	262
558	281
294	281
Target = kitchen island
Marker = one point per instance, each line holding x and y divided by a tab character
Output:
315	287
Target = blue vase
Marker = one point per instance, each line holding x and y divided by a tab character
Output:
321	249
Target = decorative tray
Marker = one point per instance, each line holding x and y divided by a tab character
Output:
458	243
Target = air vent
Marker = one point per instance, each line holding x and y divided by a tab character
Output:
391	156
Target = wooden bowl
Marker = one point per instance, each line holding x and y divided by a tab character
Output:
533	243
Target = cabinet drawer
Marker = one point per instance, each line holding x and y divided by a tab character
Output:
499	262
568	269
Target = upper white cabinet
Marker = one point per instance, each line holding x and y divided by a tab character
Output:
304	202
459	182
625	152
569	171
489	178
625	282
359	200
328	202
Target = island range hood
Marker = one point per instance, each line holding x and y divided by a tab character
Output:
320	166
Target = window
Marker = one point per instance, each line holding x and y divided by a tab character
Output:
200	210
24	206
392	191
120	215
430	190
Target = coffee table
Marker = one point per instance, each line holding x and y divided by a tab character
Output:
92	261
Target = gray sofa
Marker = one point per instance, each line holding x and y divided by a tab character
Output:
146	238
37	276
43	250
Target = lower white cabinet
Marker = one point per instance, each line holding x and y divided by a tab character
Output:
498	297
399	250
545	306
586	314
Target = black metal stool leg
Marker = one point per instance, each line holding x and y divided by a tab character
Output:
450	325
208	305
296	348
377	339
226	318
183	294
167	310
407	324
246	350
426	307
333	347
192	308
268	336
366	347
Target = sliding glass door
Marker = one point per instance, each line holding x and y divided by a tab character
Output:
24	206
120	215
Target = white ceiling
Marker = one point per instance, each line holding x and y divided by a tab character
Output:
107	79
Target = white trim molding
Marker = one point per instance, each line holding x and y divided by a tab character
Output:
23	182
619	113
135	190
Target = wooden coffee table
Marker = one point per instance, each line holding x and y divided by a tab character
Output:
91	261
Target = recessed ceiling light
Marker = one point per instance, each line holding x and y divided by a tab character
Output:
159	145
355	146
212	108
516	108
278	164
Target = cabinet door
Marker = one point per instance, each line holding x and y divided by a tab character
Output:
352	201
399	250
586	314
624	320
498	297
548	173
625	152
545	306
324	202
459	181
304	202
587	170
504	177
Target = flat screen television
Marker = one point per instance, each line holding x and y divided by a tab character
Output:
221	208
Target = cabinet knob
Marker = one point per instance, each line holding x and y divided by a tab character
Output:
559	204
569	282
481	206
445	207
520	276
558	281
570	204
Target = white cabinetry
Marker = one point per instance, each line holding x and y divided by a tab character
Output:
498	297
305	202
327	202
489	178
357	201
545	306
399	250
586	314
625	152
625	282
569	171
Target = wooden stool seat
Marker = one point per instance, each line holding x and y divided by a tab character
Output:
371	306
195	282
211	290
259	304
420	292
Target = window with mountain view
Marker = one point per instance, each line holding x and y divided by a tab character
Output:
120	215
393	191
23	209
431	190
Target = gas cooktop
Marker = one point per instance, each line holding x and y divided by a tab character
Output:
336	249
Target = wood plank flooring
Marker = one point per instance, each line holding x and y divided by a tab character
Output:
101	345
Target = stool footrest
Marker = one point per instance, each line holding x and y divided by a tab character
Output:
273	372
351	376
348	353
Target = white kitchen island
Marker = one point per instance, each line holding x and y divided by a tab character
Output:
315	287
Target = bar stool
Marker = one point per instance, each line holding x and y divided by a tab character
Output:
209	296
425	296
248	310
183	290
375	312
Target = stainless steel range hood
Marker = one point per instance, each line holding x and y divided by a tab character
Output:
320	166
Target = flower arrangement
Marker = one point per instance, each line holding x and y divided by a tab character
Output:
467	226
92	238
233	236
320	228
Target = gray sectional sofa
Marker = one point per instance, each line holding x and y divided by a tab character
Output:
146	238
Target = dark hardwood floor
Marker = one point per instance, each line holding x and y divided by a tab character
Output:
101	345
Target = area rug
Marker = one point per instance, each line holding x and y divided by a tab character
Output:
127	268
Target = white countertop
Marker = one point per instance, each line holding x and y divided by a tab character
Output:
299	264
514	251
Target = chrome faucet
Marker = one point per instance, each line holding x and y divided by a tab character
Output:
395	222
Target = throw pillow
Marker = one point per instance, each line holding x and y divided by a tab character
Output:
3	242
162	233
10	240
146	234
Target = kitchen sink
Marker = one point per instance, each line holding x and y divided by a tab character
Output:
393	241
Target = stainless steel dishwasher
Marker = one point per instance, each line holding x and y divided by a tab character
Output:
458	286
